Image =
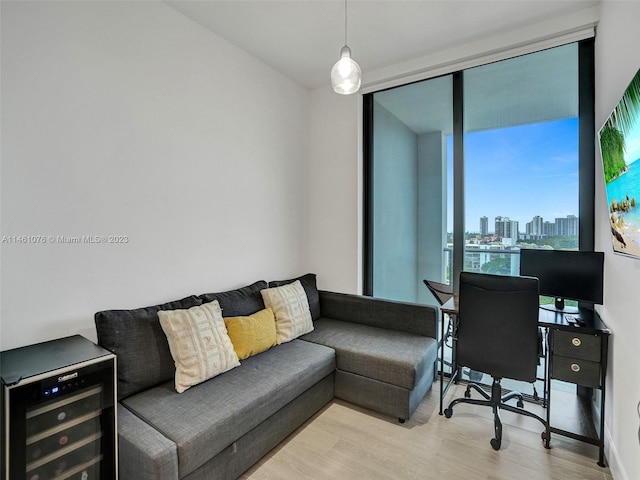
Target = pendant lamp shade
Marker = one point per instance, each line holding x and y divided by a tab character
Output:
346	75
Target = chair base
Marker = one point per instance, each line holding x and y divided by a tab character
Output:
497	402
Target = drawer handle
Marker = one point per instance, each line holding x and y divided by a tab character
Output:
575	367
576	341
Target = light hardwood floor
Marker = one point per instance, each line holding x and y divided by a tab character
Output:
343	441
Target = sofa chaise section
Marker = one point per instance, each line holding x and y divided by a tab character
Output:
385	351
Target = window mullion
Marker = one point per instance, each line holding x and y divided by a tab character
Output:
458	178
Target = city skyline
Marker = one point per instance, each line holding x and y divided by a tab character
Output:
519	172
482	224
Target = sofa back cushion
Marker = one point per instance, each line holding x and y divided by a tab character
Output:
136	337
239	302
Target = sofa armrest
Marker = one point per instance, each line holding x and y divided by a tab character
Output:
143	452
376	312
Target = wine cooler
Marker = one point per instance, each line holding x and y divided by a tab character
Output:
59	411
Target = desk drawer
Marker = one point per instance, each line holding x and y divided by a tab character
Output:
574	370
583	346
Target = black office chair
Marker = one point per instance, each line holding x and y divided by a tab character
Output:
497	334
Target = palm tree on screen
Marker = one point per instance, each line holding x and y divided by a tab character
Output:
612	135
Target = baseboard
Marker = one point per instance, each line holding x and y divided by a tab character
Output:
611	453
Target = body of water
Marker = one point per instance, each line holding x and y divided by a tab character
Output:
627	184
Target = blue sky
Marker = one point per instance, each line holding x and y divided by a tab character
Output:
519	172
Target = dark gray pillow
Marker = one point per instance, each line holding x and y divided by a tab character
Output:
240	302
136	337
308	282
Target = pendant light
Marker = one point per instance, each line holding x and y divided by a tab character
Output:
346	74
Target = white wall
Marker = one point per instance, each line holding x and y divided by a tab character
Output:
126	118
617	61
335	190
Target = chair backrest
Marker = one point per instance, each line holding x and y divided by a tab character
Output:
498	325
441	291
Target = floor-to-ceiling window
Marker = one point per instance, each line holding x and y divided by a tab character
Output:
463	170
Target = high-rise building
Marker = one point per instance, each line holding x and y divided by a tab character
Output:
514	229
567	226
484	226
535	227
549	229
500	226
506	228
572	225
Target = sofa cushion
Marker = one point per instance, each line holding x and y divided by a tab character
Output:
377	312
308	282
291	309
209	417
199	343
135	336
252	334
389	356
239	302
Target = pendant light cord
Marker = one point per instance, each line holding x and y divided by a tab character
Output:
345	22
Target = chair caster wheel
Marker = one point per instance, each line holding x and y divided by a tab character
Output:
467	393
495	443
520	404
448	412
545	439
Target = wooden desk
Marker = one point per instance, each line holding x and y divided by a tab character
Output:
574	353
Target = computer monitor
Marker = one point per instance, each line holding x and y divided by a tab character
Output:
565	275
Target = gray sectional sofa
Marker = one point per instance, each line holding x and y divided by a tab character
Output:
374	353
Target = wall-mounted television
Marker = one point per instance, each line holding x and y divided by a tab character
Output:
620	148
566	275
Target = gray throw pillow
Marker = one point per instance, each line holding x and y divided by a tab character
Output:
142	350
240	302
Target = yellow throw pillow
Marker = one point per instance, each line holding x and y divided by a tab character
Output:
253	334
199	343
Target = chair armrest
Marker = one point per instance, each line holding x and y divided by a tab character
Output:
377	312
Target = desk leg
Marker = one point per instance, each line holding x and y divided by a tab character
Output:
547	390
442	314
604	355
454	365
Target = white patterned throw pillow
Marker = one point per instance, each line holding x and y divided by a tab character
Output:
199	343
291	309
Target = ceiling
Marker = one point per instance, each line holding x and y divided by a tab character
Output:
302	38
